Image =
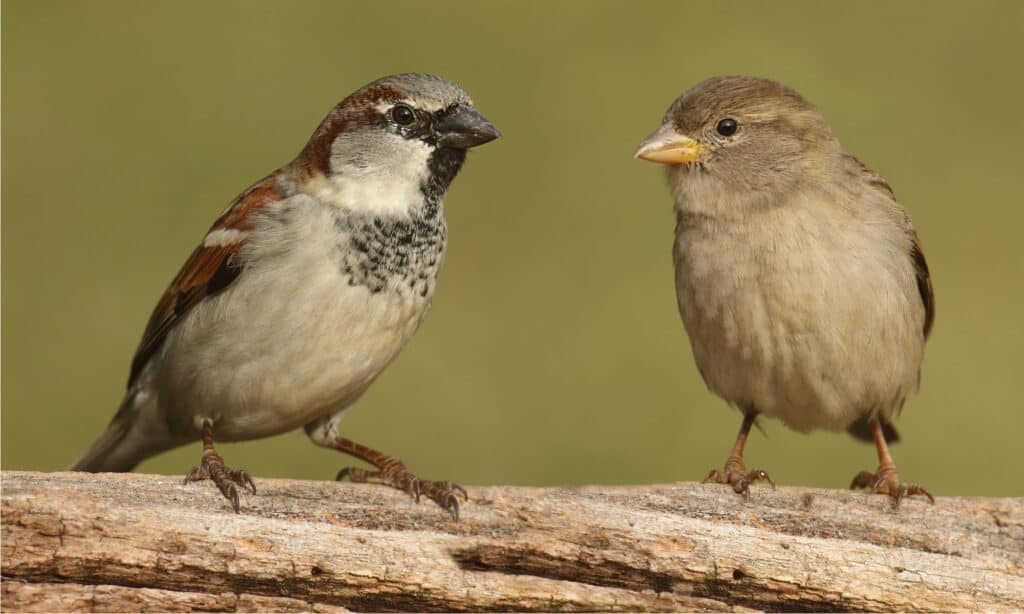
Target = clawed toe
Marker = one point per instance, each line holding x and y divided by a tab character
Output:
886	481
399	479
738	478
225	479
243	479
196	474
444	493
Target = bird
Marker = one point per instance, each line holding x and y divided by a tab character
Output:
801	281
303	290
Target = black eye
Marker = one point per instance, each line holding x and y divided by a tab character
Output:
727	127
402	115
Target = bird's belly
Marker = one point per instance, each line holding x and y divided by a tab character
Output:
814	335
258	367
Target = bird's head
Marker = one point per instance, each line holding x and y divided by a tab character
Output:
403	130
747	133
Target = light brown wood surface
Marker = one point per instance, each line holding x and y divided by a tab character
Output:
133	542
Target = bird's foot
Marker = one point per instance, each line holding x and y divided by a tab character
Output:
213	468
395	475
886	481
736	475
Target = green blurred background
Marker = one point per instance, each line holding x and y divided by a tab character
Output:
554	353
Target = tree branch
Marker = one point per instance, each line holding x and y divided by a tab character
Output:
129	542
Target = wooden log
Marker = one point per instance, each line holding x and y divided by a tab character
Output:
128	542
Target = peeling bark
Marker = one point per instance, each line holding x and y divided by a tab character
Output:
130	542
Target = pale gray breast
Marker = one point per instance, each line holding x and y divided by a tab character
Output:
778	304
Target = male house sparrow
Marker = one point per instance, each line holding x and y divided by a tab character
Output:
303	290
800	279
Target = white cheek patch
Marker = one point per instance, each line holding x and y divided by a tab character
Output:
377	173
224	237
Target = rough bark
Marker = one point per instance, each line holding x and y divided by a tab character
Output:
135	542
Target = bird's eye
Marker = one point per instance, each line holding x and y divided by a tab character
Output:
727	127
402	114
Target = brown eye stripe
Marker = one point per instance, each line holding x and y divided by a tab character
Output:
359	108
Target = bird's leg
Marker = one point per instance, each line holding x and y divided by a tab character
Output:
212	467
735	473
886	480
390	471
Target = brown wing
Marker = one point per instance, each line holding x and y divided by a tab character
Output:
924	284
207	271
924	280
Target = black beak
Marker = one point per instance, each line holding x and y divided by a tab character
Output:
462	127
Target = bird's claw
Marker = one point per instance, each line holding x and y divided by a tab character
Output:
444	493
213	468
886	481
736	475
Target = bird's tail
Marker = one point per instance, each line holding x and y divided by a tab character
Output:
117	448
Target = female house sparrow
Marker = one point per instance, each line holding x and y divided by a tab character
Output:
303	290
800	279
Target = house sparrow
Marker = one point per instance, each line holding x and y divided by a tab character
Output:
801	281
303	290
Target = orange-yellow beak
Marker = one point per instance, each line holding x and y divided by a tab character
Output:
666	146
